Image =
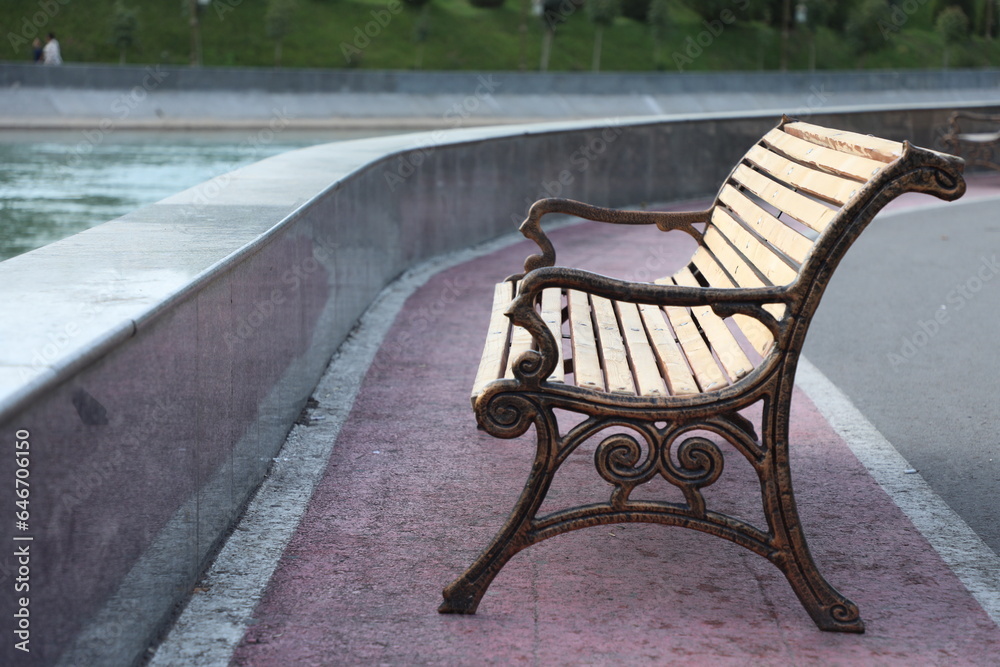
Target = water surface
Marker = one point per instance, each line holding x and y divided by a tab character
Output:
57	183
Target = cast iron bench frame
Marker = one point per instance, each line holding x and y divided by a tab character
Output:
837	181
977	148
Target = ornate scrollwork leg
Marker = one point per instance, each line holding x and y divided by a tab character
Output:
829	609
510	415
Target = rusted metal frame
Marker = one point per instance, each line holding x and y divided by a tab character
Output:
729	428
505	409
917	170
829	609
463	595
725	401
980	153
665	514
531	227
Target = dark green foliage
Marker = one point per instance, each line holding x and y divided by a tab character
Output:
603	12
124	28
952	24
865	27
637	10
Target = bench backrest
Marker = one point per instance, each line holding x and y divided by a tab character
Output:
798	186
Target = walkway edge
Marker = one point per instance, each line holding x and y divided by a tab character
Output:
972	561
217	615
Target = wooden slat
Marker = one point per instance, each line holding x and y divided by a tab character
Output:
825	186
777	233
673	366
727	348
552	315
762	257
737	269
821	157
492	363
586	364
647	372
758	334
807	211
695	349
847	142
617	373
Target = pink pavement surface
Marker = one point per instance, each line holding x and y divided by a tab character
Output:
413	492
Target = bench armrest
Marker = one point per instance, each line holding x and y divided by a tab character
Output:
725	302
531	227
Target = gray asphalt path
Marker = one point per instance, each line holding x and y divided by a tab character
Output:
908	329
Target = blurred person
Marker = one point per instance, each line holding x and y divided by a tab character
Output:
36	50
51	54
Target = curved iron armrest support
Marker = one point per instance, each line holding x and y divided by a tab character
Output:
532	229
950	138
534	366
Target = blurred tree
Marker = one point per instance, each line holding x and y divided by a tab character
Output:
602	13
124	27
637	10
953	26
552	13
278	19
659	23
421	27
863	27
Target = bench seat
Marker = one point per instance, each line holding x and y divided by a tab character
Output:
766	219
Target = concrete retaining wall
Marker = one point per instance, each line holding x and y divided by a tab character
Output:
515	83
154	364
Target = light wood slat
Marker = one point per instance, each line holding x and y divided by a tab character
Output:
695	349
647	372
673	366
491	364
810	213
586	364
761	256
552	315
737	269
520	342
825	186
617	373
758	334
777	233
727	348
821	157
847	142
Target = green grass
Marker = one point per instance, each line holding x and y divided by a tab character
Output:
460	37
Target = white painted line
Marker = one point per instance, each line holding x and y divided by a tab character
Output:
214	621
962	550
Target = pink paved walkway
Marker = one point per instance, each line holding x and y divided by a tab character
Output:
413	492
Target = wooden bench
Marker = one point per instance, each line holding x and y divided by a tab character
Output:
661	370
979	147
